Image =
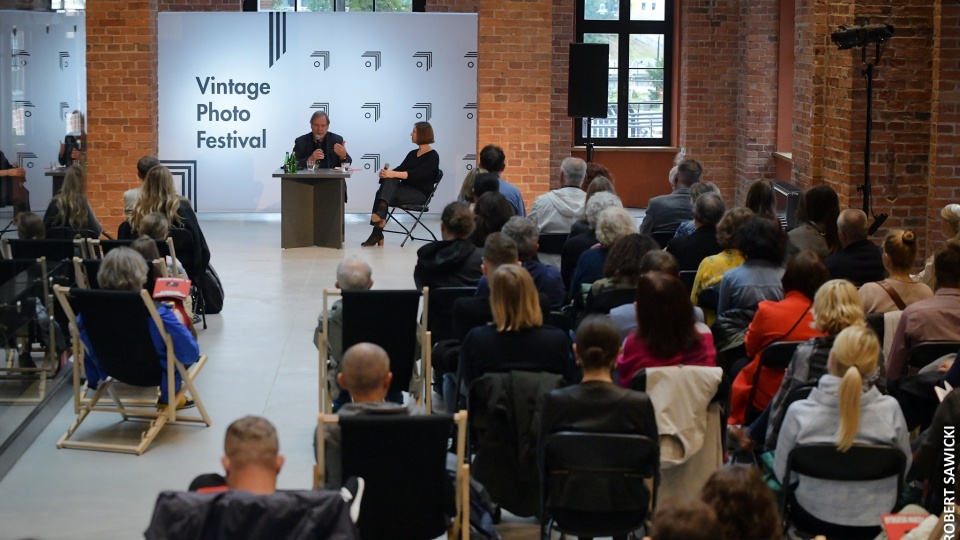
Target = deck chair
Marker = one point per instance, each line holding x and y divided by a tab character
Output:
23	283
86	273
415	211
181	247
53	250
583	474
99	248
776	355
403	462
116	323
386	318
862	462
241	515
922	354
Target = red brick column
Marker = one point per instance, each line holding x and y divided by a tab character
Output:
944	164
561	126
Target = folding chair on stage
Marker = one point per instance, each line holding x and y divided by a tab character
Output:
403	463
410	209
388	319
116	323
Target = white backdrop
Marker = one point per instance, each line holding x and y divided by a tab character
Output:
375	74
43	82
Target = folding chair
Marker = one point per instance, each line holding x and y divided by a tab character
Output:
80	237
663	237
922	354
389	319
54	250
776	355
116	323
409	209
441	310
552	243
688	277
86	273
823	461
403	463
99	248
23	283
581	472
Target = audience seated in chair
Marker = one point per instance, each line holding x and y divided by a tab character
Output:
865	417
612	225
899	290
762	200
592	186
251	459
928	465
155	226
934	319
817	212
860	260
700	188
744	504
353	274
620	273
950	229
685	520
558	209
667	333
667	212
711	269
70	208
489	214
575	245
365	374
30	226
453	261
130	196
595	170
690	250
493	160
545	277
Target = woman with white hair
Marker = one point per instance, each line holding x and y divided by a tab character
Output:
612	224
950	228
577	244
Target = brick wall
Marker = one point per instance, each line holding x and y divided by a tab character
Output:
561	126
944	164
198	5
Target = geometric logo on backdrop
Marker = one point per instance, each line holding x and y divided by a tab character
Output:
470	106
20	56
471	54
427	57
64	107
427	109
23	104
63	59
324	107
375	107
375	59
186	171
375	158
278	36
471	159
21	156
325	55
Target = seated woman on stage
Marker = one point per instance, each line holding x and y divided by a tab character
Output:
409	183
70	208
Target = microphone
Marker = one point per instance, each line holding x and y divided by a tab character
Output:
386	166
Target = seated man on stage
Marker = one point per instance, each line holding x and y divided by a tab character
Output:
320	145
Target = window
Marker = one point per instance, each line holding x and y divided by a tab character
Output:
341	5
640	35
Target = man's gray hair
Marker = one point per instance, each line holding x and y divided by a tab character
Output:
354	273
852	222
598	203
709	209
122	269
524	232
574	170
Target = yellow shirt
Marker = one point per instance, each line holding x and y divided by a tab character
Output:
711	272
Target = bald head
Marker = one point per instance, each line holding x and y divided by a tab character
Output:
852	226
365	372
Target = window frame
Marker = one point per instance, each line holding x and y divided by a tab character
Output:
624	28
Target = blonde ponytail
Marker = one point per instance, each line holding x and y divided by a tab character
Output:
855	353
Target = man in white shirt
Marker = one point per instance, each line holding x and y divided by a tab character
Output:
557	210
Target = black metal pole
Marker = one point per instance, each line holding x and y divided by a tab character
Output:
866	148
589	140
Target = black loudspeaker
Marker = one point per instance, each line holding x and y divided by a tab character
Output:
587	84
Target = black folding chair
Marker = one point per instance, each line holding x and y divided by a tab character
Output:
440	309
688	277
663	237
552	243
116	323
415	211
23	284
581	472
101	247
776	355
387	318
53	250
922	354
402	460
86	273
709	298
861	463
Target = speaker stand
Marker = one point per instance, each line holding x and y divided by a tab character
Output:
589	140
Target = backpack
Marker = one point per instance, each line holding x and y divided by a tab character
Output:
212	291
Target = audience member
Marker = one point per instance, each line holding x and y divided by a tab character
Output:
835	307
486	182
690	250
711	269
621	270
845	394
860	260
353	274
667	333
928	466
685	520
466	190
762	243
613	224
30	227
517	340
582	224
933	319
950	229
745	505
365	375
818	211
659	261
453	261
523	231
762	200
790	319
595	170
490	214
667	212
493	160
556	210
700	188
899	290
251	455
130	196
123	269
71	208
577	244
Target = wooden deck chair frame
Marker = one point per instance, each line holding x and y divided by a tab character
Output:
426	351
461	523
48	367
144	408
84	281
